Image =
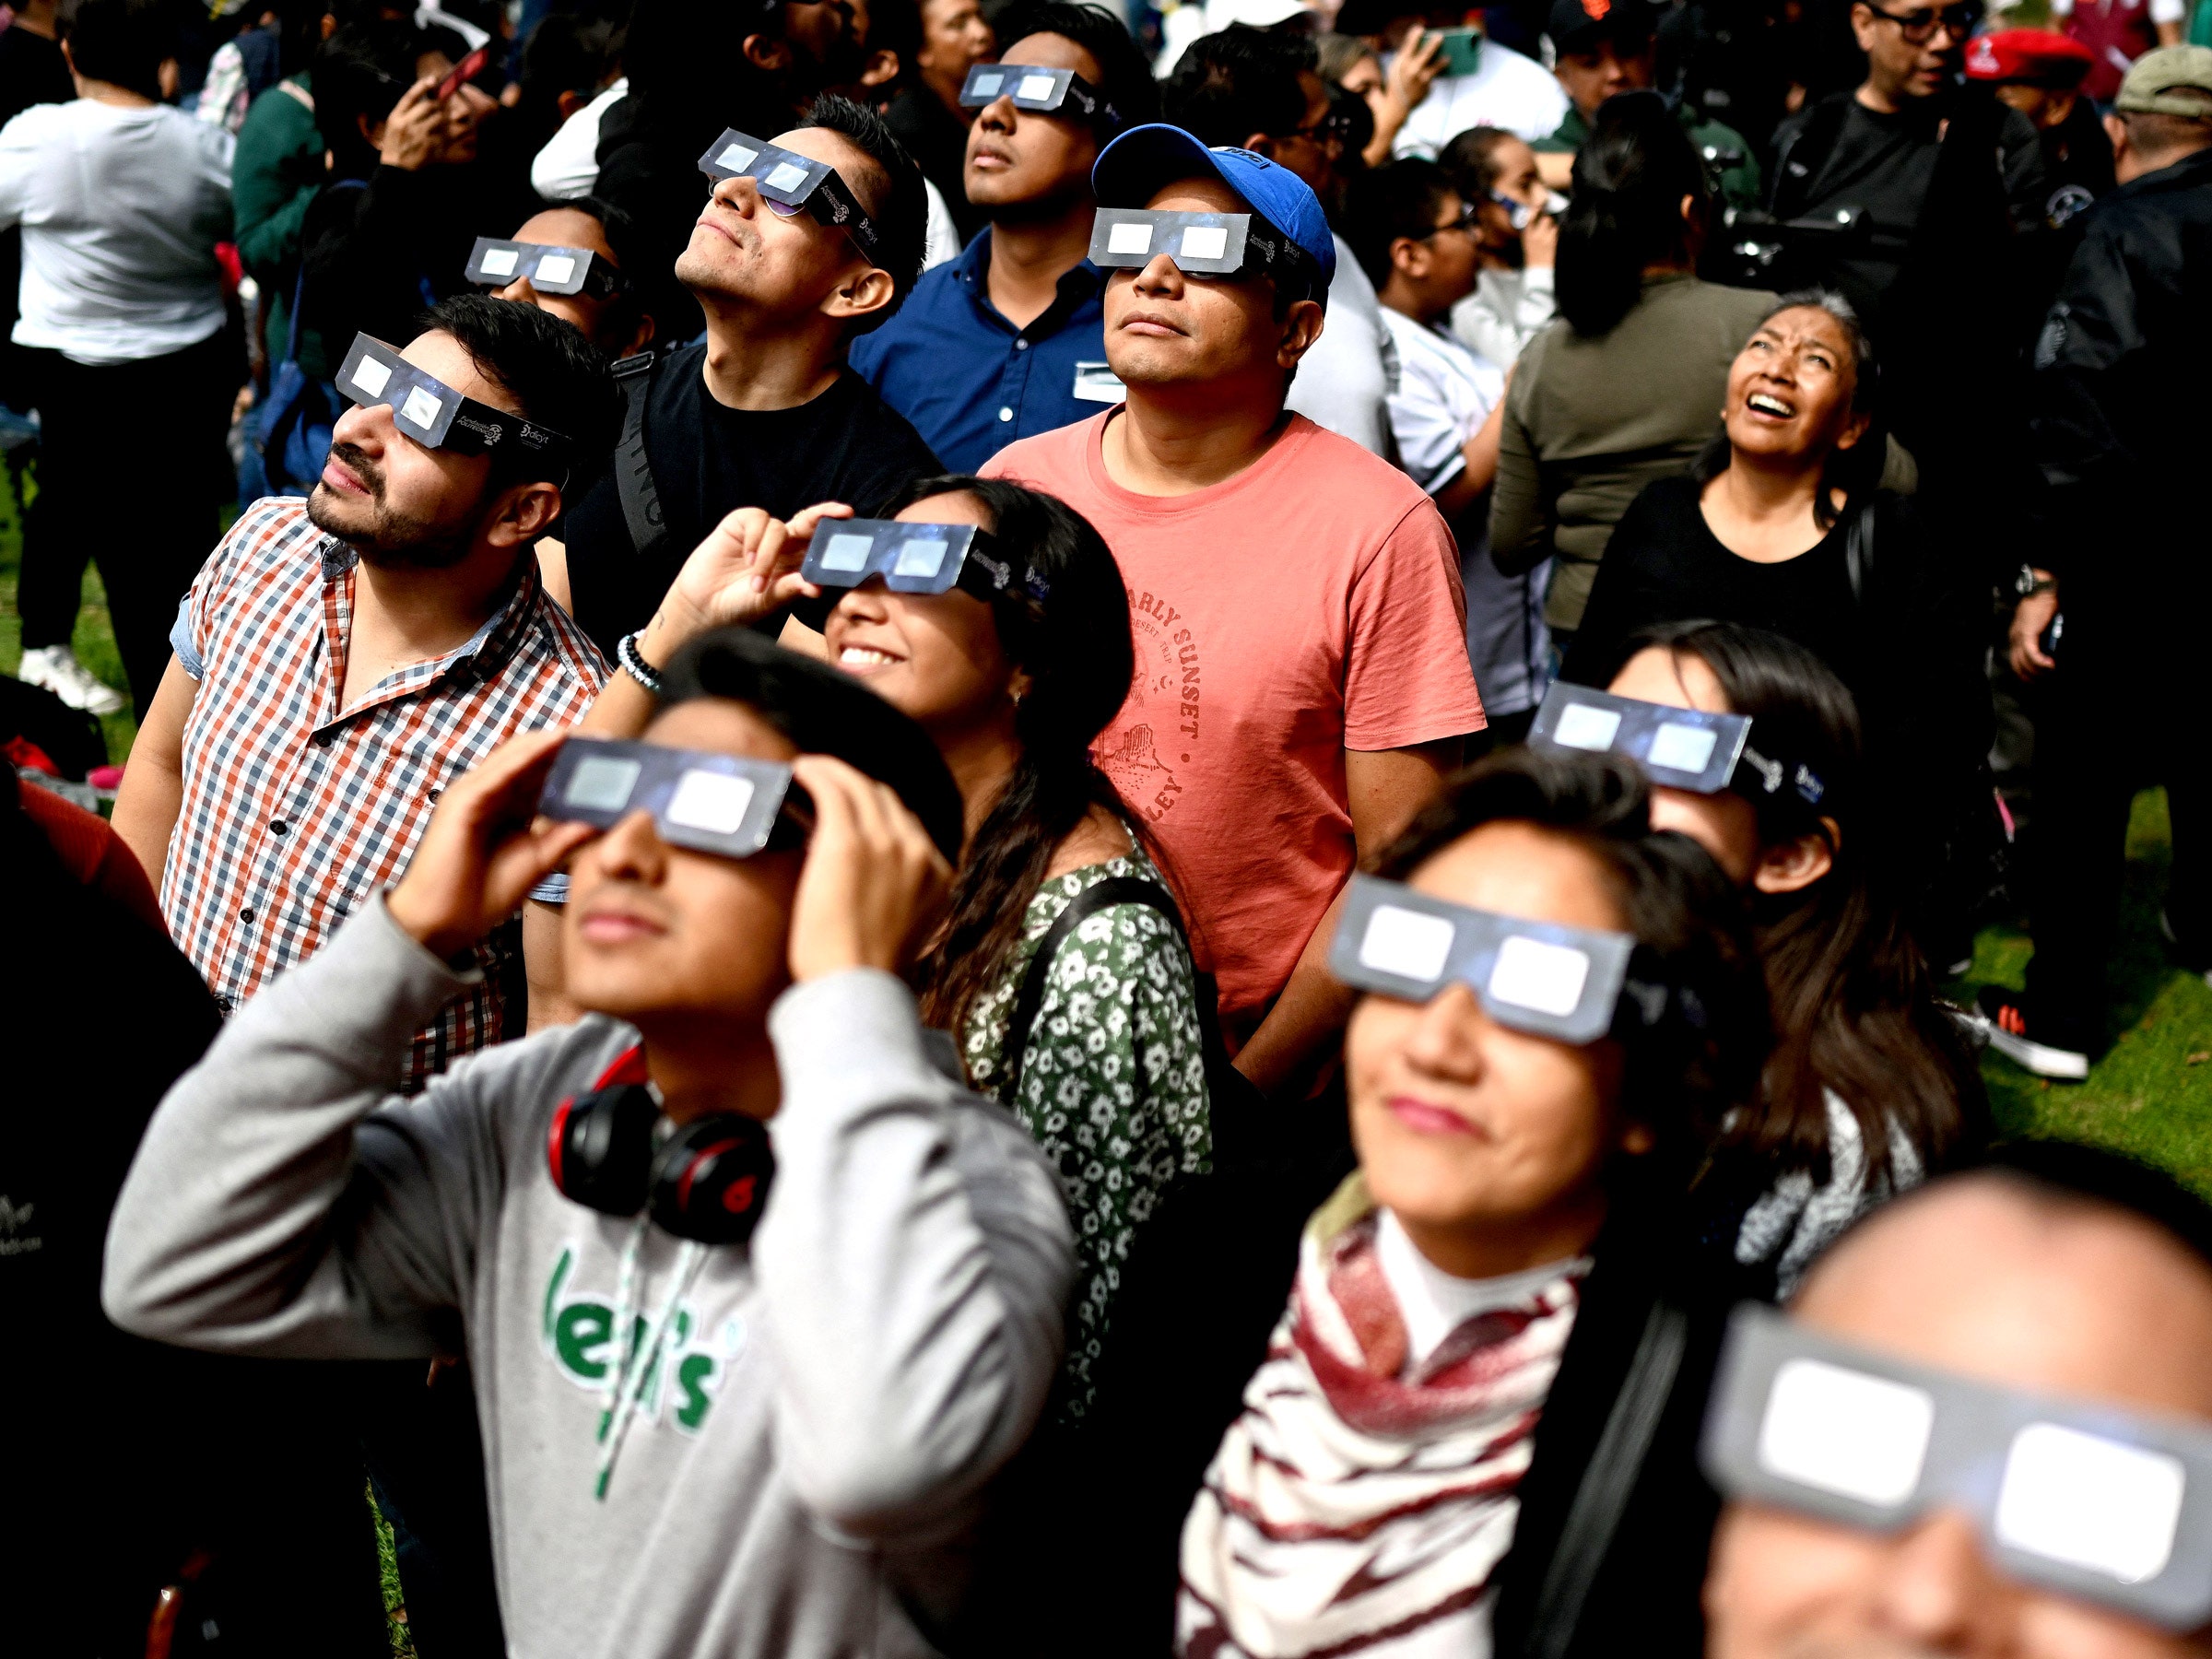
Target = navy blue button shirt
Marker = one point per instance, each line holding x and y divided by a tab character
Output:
967	378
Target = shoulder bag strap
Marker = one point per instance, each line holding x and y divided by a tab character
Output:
633	467
1099	896
1603	1498
1858	550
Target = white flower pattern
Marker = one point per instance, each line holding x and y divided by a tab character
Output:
1113	1083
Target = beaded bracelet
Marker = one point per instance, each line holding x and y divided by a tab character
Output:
634	664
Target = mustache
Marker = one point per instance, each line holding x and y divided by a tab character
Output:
356	460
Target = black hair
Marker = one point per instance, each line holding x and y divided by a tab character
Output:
1472	160
1854	1004
897	206
359	74
1400	198
1239	81
124	42
823	711
2071	1172
567	53
1856	470
1127	81
299	32
1374	19
1686	1075
544	363
651	282
895	26
1626	211
1074	645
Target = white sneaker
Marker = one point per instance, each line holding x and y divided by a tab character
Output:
55	668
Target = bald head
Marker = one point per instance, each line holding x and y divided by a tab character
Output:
1993	1276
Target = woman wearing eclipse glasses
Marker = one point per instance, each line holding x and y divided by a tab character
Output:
1496	1340
1870	1086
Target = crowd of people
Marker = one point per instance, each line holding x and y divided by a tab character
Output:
993	826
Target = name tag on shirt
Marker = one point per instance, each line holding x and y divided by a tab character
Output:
1095	383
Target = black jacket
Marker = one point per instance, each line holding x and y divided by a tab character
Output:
2117	419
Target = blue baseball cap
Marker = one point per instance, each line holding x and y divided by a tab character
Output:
1133	166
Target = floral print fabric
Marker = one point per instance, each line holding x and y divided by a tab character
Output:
1112	1082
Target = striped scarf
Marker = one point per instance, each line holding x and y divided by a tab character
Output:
1352	1509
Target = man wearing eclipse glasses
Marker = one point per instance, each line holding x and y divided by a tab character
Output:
1983	1427
1006	341
758	1296
1296	601
340	660
806	240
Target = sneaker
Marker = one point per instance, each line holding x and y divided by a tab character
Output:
2004	1014
56	669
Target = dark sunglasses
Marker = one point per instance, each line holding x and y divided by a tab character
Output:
790	184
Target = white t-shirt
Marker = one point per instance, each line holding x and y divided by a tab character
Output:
1444	394
1508	90
569	164
1434	1304
1507	310
1344	380
2161	11
121	210
940	237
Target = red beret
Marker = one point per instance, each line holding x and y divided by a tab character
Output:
2034	55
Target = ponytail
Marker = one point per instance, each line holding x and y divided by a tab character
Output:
1626	212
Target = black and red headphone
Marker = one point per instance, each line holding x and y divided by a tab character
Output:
707	1181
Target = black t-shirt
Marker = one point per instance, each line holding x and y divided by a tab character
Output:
847	445
32	71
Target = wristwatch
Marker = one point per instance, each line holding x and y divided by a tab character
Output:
2030	581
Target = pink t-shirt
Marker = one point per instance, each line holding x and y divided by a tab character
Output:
1310	605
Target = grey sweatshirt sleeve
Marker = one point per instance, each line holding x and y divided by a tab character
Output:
285	1202
915	1259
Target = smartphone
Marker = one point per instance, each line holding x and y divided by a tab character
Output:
1462	52
462	73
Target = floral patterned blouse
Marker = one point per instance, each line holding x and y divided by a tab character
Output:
1112	1082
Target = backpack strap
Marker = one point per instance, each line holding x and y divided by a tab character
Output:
1858	550
1099	896
633	466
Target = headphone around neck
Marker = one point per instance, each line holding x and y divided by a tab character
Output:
706	1179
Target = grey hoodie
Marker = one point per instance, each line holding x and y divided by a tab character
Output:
805	1471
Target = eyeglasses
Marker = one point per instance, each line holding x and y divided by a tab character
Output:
1043	91
1693	749
790	184
1919	27
1467	221
1227	245
727	804
551	270
1333	128
432	412
916	558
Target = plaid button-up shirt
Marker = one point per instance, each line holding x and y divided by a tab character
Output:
297	812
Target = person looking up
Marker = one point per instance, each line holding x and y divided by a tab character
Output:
764	413
1007	340
1869	1087
1307	539
340	659
1261	91
1061	970
1417	239
1783	525
614	315
1516	243
1622	388
950	38
121	200
1466	1305
2063	1287
2106	426
847	1271
1616	49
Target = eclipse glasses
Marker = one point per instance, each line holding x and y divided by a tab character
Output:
432	412
551	269
1201	244
789	181
1046	91
1570	983
915	559
727	804
1692	749
2094	1502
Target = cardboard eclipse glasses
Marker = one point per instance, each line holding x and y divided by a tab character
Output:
1692	749
915	559
789	181
1046	91
1540	977
2092	1501
432	412
551	269
727	804
1201	244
